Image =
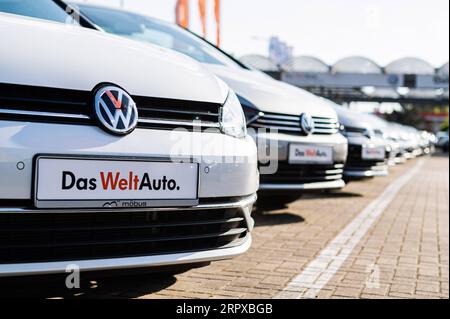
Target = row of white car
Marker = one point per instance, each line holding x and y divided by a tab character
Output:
123	153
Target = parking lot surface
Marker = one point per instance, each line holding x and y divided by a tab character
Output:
380	238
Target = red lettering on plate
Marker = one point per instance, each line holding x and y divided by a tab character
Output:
310	153
130	181
110	181
136	182
123	184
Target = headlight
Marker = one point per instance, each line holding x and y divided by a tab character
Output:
251	112
232	118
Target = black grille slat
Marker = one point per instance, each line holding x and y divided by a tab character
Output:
59	100
358	130
234	232
43	99
51	105
110	251
300	180
156	113
300	174
290	124
82	236
129	227
177	110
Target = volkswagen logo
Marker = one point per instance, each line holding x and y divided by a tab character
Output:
115	110
306	123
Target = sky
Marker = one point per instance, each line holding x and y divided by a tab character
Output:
383	30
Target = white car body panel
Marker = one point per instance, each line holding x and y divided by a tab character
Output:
270	95
141	69
352	119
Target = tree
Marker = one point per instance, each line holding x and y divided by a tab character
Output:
445	125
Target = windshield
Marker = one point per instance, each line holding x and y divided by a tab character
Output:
41	9
151	30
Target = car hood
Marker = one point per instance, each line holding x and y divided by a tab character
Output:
269	95
41	53
376	122
352	119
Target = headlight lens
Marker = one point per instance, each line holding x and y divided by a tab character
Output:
232	118
250	111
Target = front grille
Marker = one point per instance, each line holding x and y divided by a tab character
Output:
355	160
356	130
303	174
50	105
290	124
48	237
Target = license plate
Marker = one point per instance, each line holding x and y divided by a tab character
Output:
373	153
309	154
111	183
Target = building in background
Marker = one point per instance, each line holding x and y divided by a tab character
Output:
419	91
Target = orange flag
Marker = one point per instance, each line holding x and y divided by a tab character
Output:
217	14
202	9
182	13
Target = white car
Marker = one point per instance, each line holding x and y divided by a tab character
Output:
92	172
382	130
302	128
368	154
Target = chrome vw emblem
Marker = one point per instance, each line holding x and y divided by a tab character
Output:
115	110
306	123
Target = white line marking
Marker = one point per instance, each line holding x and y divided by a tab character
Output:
320	271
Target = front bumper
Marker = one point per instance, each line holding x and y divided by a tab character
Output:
401	159
15	270
394	153
314	186
357	167
285	176
44	241
379	171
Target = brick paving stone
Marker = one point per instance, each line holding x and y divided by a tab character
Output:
347	292
380	290
410	240
404	287
424	287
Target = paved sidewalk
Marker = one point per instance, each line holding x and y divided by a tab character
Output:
408	248
403	255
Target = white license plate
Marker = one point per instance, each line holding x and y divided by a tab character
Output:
373	153
110	183
309	154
